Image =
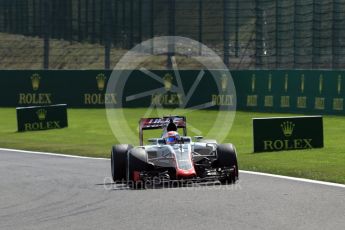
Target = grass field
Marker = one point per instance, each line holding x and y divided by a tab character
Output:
88	134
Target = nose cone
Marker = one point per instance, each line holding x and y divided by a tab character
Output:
181	173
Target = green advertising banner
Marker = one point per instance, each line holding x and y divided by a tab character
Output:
212	90
88	89
35	118
75	88
287	133
292	91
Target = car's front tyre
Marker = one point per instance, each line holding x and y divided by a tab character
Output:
119	161
227	159
137	163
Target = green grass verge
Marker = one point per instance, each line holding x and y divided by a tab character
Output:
88	134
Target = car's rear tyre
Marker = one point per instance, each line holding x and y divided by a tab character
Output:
227	158
119	161
137	163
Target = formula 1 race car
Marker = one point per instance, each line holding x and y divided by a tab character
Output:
172	157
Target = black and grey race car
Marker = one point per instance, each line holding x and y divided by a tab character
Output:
182	160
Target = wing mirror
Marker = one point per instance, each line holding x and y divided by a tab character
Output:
198	138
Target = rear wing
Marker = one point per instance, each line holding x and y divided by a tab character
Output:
160	123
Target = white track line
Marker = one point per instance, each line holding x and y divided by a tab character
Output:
52	154
295	179
242	171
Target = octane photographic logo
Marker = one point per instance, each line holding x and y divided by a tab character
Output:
172	92
188	185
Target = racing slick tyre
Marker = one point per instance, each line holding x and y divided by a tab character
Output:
119	161
137	163
227	158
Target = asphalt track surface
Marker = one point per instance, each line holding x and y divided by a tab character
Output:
57	192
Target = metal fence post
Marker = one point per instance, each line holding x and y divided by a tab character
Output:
237	46
152	25
101	22
26	18
131	24
139	21
34	24
334	34
277	36
316	34
337	34
226	40
80	35
64	25
46	33
16	17
86	28
107	31
200	26
124	32
116	24
171	45
10	16
5	12
258	34
93	21
70	20
295	54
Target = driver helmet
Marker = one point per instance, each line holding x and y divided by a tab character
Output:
171	137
